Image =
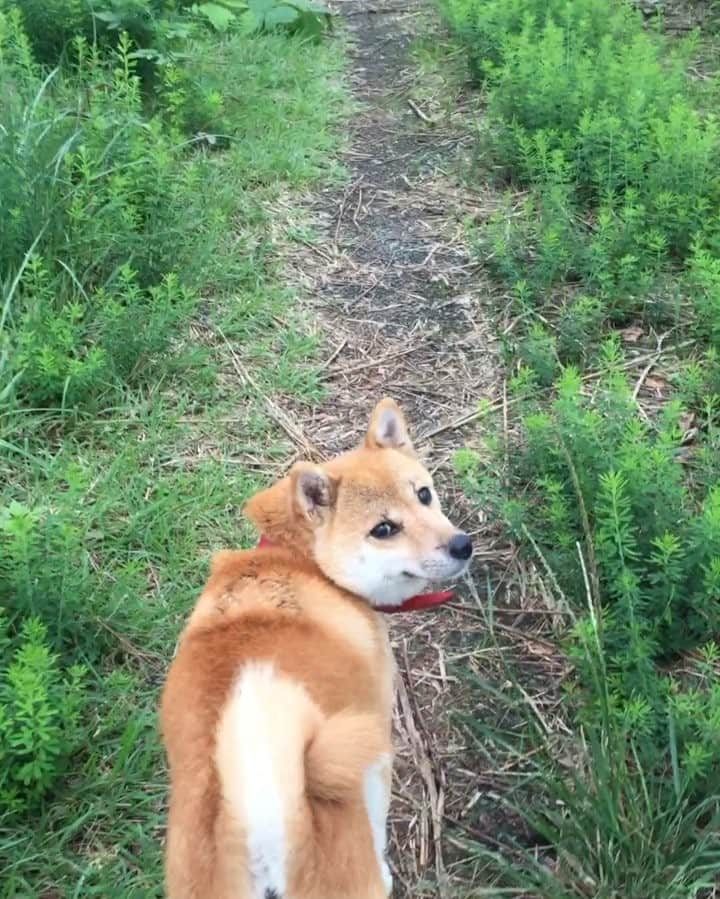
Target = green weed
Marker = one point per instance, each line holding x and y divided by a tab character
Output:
40	710
602	123
487	27
592	473
137	264
599	117
596	117
123	223
603	823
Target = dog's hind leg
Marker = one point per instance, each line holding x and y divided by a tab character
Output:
376	793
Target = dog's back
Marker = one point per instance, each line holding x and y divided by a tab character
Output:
275	736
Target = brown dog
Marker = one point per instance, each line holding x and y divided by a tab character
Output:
277	710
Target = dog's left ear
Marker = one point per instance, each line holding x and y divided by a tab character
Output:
313	491
388	429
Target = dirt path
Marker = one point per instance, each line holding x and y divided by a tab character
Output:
400	301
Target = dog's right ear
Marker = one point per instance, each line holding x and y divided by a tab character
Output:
313	492
288	511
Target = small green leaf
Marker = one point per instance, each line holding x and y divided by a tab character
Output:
260	8
219	16
281	15
247	22
113	20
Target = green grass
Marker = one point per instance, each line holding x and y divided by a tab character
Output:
602	824
145	531
120	501
608	237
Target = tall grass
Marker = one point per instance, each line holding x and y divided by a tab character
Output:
595	117
603	823
128	244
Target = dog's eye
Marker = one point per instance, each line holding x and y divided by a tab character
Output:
425	496
384	530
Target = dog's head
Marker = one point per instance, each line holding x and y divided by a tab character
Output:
370	519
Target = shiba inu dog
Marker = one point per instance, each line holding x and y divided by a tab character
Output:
276	714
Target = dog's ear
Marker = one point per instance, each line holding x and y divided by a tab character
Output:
289	510
269	510
388	429
313	492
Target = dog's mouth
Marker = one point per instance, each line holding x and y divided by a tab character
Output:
439	573
462	569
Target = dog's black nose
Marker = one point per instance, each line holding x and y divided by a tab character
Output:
460	547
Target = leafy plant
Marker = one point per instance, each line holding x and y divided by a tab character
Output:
616	149
100	245
93	343
40	715
596	479
136	189
538	351
30	588
597	116
51	25
704	283
488	28
221	15
580	325
603	821
305	17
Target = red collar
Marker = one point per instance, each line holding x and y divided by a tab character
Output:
414	604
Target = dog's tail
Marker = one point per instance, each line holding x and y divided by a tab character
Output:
340	752
275	751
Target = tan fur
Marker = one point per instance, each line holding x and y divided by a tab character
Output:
274	627
341	749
